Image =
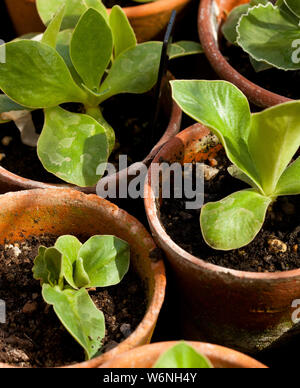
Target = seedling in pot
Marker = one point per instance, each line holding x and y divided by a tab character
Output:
261	147
182	355
268	31
99	59
68	270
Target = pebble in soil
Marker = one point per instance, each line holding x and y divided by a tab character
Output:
32	335
275	248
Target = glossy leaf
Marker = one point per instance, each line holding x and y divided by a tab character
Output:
105	260
225	110
51	33
91	48
69	247
63	48
182	355
273	141
123	34
229	27
35	76
269	34
73	11
184	48
134	71
80	276
289	182
294	6
79	315
234	221
72	145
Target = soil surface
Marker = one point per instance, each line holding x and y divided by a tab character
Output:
285	83
121	3
130	115
32	335
275	248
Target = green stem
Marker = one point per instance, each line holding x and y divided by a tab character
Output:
96	113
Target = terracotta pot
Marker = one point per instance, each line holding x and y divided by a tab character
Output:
241	310
146	356
12	182
148	20
212	13
60	212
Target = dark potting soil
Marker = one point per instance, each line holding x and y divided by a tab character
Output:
285	83
32	335
121	3
130	115
275	248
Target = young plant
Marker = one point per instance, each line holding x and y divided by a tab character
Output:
269	33
182	355
261	147
99	59
68	270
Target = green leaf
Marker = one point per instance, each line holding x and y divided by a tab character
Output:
268	34
220	106
73	11
273	141
36	76
184	48
98	6
81	277
134	71
72	146
63	48
259	66
40	271
69	247
229	28
235	172
123	34
53	261
294	6
51	33
91	48
79	315
234	221
289	182
105	260
182	355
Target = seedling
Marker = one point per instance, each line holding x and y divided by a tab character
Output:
269	33
182	355
100	58
261	147
68	270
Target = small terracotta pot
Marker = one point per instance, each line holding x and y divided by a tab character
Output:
212	13
60	212
148	20
146	356
12	182
241	310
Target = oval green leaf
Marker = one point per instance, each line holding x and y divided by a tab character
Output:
72	145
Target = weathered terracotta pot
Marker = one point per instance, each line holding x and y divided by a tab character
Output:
148	20
212	13
12	182
59	212
241	310
146	356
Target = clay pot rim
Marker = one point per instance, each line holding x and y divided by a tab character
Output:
258	95
220	352
169	245
21	183
157	266
158	6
